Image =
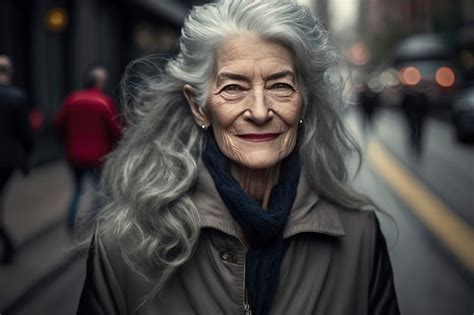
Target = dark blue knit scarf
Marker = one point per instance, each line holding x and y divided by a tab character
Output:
263	228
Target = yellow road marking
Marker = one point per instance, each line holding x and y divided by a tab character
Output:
451	230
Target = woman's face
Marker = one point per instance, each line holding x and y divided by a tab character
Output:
254	102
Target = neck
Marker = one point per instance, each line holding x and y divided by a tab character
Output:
257	183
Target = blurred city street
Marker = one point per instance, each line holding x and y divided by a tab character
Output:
430	278
408	69
47	252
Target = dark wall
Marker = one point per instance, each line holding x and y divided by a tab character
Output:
15	34
98	36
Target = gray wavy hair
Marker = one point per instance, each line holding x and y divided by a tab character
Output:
148	178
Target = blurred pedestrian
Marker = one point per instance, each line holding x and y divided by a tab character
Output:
89	126
368	100
415	107
16	138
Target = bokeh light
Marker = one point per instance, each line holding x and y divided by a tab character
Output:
445	77
389	77
358	54
410	76
374	84
56	19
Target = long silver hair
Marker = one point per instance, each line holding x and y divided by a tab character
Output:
148	178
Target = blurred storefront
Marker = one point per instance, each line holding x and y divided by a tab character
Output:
383	23
434	37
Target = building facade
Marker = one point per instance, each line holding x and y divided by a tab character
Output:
383	23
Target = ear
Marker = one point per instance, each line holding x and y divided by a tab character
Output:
199	116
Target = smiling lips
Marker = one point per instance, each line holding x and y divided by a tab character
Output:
259	137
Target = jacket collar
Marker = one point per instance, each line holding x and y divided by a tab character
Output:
308	214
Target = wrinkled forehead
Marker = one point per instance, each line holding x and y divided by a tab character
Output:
249	50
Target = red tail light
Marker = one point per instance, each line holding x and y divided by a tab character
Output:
445	77
410	76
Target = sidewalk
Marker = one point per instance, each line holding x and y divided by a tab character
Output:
35	216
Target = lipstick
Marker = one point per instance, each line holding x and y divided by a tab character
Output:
259	137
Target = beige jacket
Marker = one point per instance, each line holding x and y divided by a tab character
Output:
335	263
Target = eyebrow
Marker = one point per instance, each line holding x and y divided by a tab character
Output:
232	76
239	77
279	75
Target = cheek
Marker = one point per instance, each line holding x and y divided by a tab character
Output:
290	140
227	145
222	136
222	114
289	111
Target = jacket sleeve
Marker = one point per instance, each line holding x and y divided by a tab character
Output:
382	295
101	293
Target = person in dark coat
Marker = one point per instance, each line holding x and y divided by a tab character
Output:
89	126
16	138
415	107
368	101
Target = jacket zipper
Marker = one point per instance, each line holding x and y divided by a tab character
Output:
247	310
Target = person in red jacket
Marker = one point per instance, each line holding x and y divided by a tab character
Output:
89	126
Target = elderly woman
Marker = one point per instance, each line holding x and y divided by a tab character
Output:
227	193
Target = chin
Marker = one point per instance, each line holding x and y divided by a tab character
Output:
261	160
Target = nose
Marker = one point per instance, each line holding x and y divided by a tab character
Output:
259	108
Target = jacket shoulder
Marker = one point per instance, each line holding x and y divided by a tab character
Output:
358	224
365	217
365	244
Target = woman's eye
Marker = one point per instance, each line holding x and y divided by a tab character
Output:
282	86
281	89
232	88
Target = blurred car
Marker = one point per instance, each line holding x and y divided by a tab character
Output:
425	59
463	114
